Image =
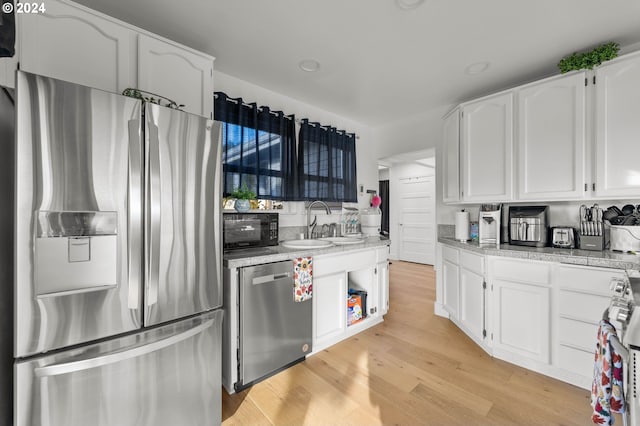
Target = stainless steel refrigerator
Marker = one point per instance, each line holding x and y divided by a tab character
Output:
117	260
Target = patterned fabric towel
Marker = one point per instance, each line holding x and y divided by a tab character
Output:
302	279
607	394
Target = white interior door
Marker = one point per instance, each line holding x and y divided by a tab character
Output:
417	224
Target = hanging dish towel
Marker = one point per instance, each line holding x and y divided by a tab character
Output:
302	279
607	394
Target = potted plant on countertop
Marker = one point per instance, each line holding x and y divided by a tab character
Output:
242	196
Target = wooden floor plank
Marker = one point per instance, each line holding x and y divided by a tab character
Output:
414	368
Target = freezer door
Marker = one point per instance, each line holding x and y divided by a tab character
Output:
78	214
164	376
183	217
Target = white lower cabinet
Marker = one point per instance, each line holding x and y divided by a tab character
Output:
522	319
450	280
333	276
329	307
521	301
463	287
383	287
472	303
543	316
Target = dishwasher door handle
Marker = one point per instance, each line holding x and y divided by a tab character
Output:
269	278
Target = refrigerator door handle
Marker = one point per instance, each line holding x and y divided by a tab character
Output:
216	144
135	214
153	213
119	356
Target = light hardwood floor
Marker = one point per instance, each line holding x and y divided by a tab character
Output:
413	369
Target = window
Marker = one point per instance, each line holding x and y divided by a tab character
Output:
258	148
327	163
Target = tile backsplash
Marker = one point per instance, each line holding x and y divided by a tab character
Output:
290	232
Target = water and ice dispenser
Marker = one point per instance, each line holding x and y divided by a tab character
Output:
75	251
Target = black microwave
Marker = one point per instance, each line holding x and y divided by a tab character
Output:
244	230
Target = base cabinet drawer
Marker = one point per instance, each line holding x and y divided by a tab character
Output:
578	334
528	271
450	254
583	306
576	360
586	279
472	262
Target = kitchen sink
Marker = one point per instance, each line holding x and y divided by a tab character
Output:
343	240
306	244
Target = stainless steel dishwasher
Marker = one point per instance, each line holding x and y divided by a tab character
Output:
274	331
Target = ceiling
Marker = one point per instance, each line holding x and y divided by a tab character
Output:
378	62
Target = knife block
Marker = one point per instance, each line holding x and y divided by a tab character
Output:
595	242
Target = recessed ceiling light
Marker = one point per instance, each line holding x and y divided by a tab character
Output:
476	68
309	65
409	4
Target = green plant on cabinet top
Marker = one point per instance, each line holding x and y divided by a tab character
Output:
588	60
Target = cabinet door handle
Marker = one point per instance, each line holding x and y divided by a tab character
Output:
586	187
593	186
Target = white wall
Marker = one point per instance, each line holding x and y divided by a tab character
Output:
414	133
383	174
366	163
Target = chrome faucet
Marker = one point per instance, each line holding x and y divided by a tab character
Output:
310	225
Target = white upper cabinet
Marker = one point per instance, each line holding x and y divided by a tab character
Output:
182	75
569	137
451	157
71	43
617	128
74	43
550	147
486	149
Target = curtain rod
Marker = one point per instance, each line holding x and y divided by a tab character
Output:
297	120
316	124
235	101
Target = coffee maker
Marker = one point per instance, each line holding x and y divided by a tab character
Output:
489	219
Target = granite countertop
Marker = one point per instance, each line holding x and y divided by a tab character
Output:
605	259
257	256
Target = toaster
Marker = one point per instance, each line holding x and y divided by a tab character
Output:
563	237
